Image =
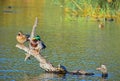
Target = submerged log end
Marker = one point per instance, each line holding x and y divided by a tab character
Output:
81	72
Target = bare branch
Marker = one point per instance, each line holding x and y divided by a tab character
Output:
34	27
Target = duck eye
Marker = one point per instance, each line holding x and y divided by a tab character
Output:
19	34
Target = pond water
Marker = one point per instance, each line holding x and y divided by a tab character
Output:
74	44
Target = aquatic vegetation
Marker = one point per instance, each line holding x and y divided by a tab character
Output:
96	9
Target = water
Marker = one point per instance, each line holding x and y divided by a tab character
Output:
74	44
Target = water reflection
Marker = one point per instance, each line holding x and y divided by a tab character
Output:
14	12
45	77
61	77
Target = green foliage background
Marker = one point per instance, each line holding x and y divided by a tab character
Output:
93	8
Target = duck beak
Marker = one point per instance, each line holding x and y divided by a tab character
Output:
18	34
98	68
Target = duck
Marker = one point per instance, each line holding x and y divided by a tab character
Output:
101	25
21	38
34	43
37	44
103	69
110	19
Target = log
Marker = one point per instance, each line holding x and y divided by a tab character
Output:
47	66
43	63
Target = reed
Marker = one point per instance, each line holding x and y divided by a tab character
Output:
95	9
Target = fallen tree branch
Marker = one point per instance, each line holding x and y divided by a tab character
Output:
44	64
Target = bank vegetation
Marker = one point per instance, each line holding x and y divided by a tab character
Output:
95	9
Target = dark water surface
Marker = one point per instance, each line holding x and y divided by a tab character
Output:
74	44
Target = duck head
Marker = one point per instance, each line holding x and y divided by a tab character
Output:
20	33
21	38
